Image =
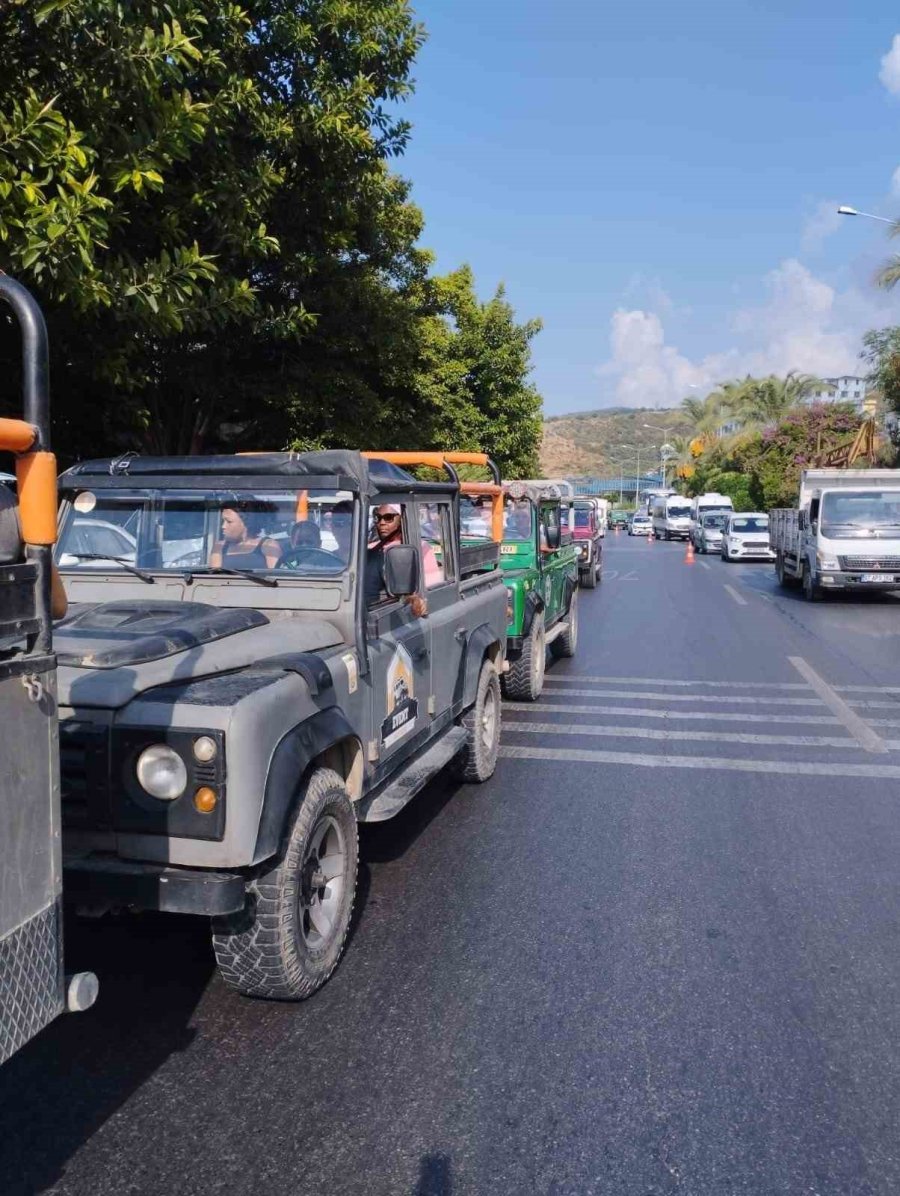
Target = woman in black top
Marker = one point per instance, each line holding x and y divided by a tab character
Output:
242	546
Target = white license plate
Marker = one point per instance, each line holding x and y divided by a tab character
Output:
882	578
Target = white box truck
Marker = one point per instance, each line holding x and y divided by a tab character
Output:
844	533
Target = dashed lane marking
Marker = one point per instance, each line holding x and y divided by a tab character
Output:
717	716
794	768
862	732
631	732
703	564
739	598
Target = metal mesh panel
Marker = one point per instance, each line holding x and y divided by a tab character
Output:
31	991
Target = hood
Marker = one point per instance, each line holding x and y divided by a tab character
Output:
108	654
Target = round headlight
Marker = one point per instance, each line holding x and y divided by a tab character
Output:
205	749
161	771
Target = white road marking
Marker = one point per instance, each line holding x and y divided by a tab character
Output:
865	736
868	689
688	733
704	564
563	678
742	699
873	704
779	767
739	598
716	716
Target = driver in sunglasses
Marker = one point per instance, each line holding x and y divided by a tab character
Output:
388	528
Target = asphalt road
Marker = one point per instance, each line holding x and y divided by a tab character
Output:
657	953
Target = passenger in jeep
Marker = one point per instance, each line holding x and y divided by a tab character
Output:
388	528
242	545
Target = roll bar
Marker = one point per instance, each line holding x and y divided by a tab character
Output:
29	439
447	462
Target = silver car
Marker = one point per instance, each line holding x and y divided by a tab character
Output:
707	534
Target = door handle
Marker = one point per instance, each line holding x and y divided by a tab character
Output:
459	634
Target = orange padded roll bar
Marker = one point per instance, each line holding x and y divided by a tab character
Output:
36	484
16	436
495	493
301	512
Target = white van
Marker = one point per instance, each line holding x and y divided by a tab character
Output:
703	504
671	517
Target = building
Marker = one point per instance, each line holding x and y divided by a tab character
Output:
847	389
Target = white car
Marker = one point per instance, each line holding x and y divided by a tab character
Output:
640	525
745	537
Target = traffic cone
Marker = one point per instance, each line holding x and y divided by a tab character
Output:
650	535
689	554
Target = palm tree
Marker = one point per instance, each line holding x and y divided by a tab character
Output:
757	402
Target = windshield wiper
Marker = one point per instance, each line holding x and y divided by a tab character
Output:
102	556
248	573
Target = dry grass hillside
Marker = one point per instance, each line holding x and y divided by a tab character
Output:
585	443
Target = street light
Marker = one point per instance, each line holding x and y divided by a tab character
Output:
843	210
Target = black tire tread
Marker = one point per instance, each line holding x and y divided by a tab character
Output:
518	680
473	764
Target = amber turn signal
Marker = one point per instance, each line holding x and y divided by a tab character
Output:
205	800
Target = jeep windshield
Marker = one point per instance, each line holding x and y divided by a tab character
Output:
241	533
860	514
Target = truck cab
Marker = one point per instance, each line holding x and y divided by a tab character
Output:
292	644
844	535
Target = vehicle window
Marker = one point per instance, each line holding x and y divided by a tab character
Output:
437	553
582	518
161	530
677	510
474	517
713	521
517	522
750	523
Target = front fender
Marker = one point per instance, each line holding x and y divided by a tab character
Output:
290	760
477	644
534	604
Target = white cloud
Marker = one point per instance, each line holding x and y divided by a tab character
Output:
895	183
890	67
803	324
822	223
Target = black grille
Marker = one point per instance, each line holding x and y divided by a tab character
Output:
871	564
84	773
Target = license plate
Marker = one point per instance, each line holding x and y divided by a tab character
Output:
878	578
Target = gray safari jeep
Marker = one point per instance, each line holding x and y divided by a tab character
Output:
261	652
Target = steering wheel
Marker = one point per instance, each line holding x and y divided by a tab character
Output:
301	558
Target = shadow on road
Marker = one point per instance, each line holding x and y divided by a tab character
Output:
434	1176
59	1090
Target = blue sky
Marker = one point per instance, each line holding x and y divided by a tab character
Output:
657	181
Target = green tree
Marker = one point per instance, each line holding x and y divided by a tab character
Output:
881	353
199	195
757	402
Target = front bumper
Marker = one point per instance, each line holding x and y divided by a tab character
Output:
749	553
108	880
854	581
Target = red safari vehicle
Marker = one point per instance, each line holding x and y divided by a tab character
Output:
588	541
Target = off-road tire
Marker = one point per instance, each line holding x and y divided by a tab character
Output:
589	579
784	580
269	948
811	592
565	644
525	678
478	758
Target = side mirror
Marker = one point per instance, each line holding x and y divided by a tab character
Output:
401	571
552	536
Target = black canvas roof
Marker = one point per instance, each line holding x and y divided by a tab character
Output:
343	467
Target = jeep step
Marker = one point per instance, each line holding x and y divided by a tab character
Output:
416	773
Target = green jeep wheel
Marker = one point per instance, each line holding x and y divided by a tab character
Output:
525	678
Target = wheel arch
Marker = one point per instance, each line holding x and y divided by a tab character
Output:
326	740
483	642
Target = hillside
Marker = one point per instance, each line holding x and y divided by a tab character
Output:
586	443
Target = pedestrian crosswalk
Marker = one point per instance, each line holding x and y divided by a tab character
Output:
802	727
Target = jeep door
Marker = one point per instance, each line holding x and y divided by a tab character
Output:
399	646
445	613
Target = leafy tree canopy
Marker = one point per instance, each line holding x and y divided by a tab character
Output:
200	196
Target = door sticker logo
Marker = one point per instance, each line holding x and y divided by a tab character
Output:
402	707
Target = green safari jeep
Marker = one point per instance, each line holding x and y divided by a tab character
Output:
539	560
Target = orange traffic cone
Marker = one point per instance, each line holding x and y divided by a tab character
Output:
689	554
650	535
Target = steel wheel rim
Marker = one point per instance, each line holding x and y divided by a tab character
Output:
322	882
489	719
